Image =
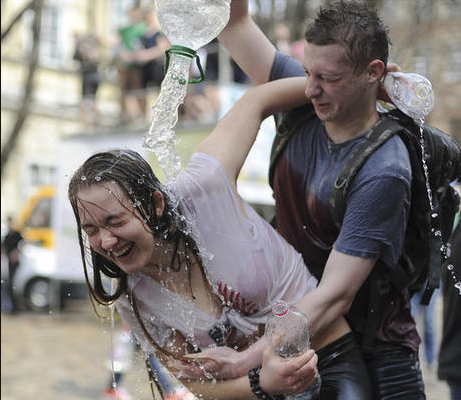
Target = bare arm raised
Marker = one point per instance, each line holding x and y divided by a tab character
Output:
247	44
234	135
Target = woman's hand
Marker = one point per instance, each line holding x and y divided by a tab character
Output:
287	376
220	362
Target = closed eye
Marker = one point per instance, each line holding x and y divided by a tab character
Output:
90	230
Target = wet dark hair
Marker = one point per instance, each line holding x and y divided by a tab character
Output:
354	25
135	177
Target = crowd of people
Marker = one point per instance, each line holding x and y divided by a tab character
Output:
137	53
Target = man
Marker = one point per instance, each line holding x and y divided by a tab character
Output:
344	62
10	247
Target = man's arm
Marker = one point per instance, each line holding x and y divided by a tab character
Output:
247	44
234	135
342	278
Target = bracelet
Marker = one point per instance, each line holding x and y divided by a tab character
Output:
253	376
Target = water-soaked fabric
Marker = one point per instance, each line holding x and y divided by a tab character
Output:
395	374
343	372
247	263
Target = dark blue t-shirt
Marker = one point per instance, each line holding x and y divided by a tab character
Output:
377	204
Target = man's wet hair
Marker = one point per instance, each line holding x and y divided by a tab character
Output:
355	26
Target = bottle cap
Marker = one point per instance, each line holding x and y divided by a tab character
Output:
280	308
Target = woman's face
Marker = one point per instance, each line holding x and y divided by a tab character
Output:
114	227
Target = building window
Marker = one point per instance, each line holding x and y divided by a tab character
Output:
50	45
51	34
41	175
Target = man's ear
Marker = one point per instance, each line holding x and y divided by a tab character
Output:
159	203
376	70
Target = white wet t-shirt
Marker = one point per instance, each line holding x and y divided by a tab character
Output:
247	262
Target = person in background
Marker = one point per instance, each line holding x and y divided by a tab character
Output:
88	54
11	248
282	38
449	368
152	54
132	95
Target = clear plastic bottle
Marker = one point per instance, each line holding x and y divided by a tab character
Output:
190	24
411	93
287	331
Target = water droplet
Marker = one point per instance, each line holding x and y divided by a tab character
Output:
97	178
457	285
83	178
450	267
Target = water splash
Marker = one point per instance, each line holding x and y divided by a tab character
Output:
161	137
420	123
457	284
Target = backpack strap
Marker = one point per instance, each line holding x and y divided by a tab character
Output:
287	125
373	139
384	129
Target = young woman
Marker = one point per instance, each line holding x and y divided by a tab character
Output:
195	265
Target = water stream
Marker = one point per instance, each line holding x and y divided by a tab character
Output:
445	250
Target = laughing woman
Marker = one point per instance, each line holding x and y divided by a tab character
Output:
194	265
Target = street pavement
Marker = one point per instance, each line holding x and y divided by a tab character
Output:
64	356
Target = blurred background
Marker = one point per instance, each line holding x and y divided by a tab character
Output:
72	84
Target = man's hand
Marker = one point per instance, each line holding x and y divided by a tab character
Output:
287	376
382	93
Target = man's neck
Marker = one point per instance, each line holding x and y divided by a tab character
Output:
342	131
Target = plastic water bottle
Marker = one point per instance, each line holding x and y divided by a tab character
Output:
288	333
188	25
411	93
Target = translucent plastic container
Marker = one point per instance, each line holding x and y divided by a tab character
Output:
411	93
188	25
287	331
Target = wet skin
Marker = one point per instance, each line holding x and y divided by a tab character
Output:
115	229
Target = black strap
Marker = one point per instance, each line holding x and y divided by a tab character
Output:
435	255
287	125
373	310
373	139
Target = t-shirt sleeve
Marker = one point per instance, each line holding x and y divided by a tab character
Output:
375	220
204	184
285	67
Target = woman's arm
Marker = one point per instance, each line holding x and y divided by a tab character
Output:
234	135
277	376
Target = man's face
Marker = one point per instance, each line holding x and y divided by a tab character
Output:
337	94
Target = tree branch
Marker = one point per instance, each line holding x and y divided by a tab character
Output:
28	88
15	19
